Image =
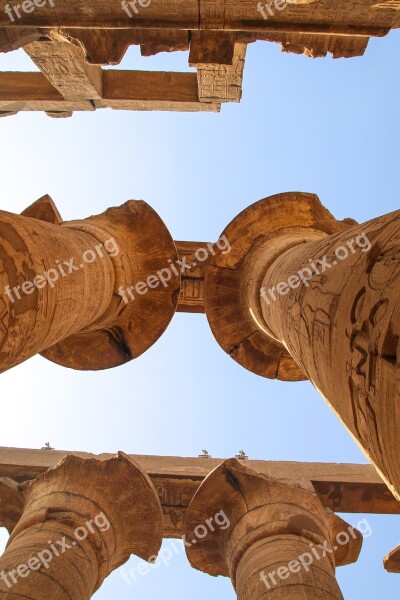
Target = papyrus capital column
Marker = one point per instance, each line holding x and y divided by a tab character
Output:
81	520
303	295
60	282
272	525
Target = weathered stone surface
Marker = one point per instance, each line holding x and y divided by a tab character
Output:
222	83
63	64
313	46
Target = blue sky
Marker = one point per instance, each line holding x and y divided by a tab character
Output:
322	126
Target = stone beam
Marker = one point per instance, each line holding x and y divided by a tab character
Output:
121	90
340	487
360	17
152	90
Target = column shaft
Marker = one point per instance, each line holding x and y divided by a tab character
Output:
342	326
271	556
62	303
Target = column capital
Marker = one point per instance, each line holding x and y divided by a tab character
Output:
234	280
80	292
101	511
259	508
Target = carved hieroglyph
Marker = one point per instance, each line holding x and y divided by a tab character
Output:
271	523
79	320
340	328
89	516
220	83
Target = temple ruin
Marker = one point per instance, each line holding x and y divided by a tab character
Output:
289	292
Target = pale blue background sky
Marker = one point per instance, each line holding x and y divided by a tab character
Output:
322	126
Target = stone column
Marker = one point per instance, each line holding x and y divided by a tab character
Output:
63	286
279	542
81	520
312	297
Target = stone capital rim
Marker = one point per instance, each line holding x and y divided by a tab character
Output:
246	497
117	487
